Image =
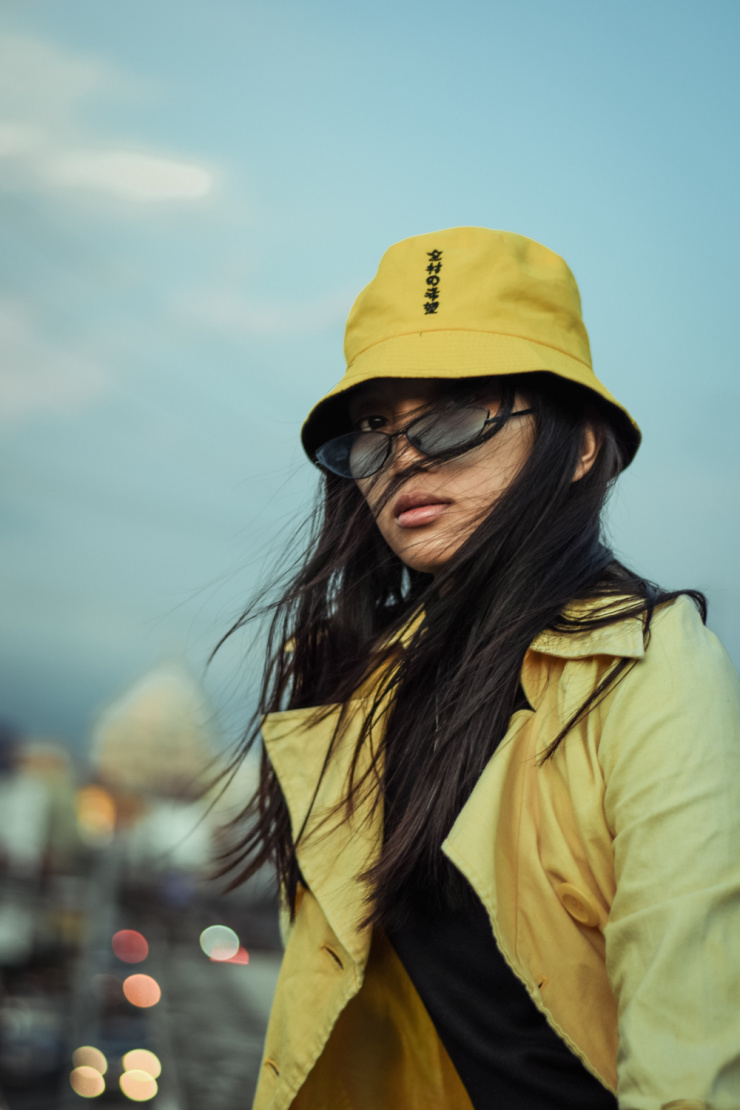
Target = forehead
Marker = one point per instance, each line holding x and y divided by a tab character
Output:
390	392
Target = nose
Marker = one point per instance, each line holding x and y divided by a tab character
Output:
403	453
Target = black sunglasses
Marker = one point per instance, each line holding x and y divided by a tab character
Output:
436	434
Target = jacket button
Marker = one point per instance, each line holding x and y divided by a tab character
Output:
581	907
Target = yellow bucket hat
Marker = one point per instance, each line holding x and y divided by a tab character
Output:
465	302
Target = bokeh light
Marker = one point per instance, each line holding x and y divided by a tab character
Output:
142	990
88	1056
141	1059
96	815
219	942
130	946
87	1082
138	1085
240	957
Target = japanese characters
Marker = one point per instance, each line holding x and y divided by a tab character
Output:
431	302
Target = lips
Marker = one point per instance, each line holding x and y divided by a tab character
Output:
412	510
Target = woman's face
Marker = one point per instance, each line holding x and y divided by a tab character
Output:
431	515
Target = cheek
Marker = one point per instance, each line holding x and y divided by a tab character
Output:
478	480
371	493
499	467
474	482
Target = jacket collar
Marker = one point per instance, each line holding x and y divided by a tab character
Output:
298	742
622	639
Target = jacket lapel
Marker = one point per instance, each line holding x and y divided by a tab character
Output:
312	760
484	840
333	850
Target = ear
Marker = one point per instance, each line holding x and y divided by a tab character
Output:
589	450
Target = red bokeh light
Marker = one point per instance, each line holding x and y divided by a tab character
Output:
130	946
240	957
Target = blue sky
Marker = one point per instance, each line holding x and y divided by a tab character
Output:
194	193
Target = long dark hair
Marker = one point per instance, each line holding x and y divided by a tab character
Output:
453	689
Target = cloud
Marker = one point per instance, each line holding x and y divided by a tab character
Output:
37	376
130	175
41	86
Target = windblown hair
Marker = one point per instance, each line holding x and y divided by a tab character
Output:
453	689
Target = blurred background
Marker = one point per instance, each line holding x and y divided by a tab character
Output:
193	193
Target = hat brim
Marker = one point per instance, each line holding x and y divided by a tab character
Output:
454	355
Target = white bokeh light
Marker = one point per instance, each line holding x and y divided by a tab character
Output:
219	942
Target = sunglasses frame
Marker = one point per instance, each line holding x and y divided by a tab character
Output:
498	421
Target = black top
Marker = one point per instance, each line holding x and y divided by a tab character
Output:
502	1047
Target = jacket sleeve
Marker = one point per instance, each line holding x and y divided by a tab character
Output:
670	753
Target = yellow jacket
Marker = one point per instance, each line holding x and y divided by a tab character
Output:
611	875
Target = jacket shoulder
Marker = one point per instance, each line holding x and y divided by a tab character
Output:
680	698
681	649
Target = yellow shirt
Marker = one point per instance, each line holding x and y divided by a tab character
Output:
611	876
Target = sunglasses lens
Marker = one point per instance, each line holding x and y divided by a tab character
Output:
362	454
449	430
369	452
355	455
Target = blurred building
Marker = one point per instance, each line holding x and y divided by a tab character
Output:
156	750
157	738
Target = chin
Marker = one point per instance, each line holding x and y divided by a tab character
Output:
425	562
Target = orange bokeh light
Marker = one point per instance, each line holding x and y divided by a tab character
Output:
142	990
130	946
138	1085
141	1059
96	814
87	1082
87	1056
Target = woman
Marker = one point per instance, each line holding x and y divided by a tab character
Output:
500	781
